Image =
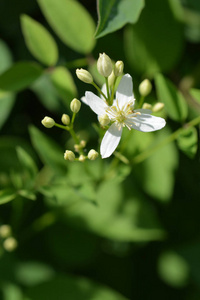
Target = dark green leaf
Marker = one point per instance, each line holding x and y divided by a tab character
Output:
6	104
39	41
27	161
187	141
175	103
155	42
114	14
7	195
20	76
71	22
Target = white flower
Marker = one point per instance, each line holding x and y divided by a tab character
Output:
122	114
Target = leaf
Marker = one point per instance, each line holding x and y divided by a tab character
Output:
5	56
71	22
7	101
20	76
175	103
113	15
187	141
27	162
27	194
76	288
39	41
49	152
7	195
155	42
64	84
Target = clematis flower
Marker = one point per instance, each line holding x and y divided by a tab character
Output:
121	114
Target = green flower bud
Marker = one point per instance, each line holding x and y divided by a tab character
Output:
111	79
75	105
119	68
65	119
104	65
69	155
158	107
104	120
48	122
5	231
145	87
82	158
92	154
84	75
147	106
10	244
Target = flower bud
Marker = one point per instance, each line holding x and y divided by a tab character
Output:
145	87
104	65
147	106
104	120
111	79
5	231
81	158
10	244
82	143
65	119
75	105
92	154
119	68
69	155
158	107
48	122
84	75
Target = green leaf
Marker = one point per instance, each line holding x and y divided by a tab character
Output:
27	162
5	56
7	195
113	15
49	152
175	103
39	41
7	101
71	22
27	194
64	84
187	141
20	76
73	288
11	292
155	42
196	94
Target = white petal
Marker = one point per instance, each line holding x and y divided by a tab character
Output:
143	111
147	123
83	99
110	140
96	103
124	92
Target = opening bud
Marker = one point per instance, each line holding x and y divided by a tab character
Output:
92	154
69	155
104	65
145	87
48	122
158	107
82	158
65	119
119	68
147	106
10	244
104	120
84	75
75	105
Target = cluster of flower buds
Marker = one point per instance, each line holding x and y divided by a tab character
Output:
70	156
9	243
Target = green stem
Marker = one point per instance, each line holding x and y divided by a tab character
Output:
141	102
74	136
142	156
108	92
99	90
77	63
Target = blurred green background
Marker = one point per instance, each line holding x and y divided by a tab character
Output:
93	232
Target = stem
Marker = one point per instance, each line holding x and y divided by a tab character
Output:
141	102
142	156
74	136
99	90
108	92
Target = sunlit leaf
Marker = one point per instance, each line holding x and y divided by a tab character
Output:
175	103
20	76
113	15
71	22
39	41
7	195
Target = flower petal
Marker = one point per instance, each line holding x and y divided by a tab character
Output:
124	92
110	140
146	123
83	99
96	103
